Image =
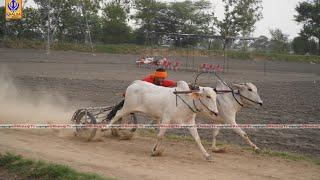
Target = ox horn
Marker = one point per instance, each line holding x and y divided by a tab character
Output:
198	75
195	85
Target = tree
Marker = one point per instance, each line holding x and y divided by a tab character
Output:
248	13
229	25
28	27
302	45
309	16
90	17
2	22
138	36
313	49
125	4
147	12
185	17
240	17
68	18
216	44
96	27
279	41
115	28
261	44
191	17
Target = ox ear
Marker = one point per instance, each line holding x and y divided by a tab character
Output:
239	86
195	95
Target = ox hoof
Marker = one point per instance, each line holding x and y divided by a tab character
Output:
257	150
219	150
157	152
125	135
209	158
115	132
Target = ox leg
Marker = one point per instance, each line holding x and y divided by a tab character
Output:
156	151
214	147
119	114
215	133
194	132
244	136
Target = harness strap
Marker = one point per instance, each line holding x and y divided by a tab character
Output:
222	91
194	111
229	91
249	99
215	113
233	94
194	104
242	96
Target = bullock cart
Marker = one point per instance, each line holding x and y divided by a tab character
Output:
89	119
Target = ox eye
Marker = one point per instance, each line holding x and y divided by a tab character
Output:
250	89
209	97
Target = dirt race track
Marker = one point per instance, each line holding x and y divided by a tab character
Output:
290	92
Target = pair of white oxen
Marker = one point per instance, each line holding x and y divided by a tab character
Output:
168	107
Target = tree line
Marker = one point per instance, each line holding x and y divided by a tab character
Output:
157	22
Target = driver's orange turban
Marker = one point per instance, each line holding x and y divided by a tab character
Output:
160	74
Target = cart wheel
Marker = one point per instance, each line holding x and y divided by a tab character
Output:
83	118
126	133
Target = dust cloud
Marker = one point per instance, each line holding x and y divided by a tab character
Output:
24	106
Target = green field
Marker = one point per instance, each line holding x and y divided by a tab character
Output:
140	49
31	169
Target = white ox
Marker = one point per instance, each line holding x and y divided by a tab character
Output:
162	104
229	105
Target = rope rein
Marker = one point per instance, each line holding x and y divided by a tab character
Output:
195	109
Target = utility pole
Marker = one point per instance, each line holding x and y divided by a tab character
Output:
48	29
88	28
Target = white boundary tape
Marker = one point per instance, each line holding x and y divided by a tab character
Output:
168	126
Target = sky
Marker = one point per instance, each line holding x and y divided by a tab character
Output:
276	14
